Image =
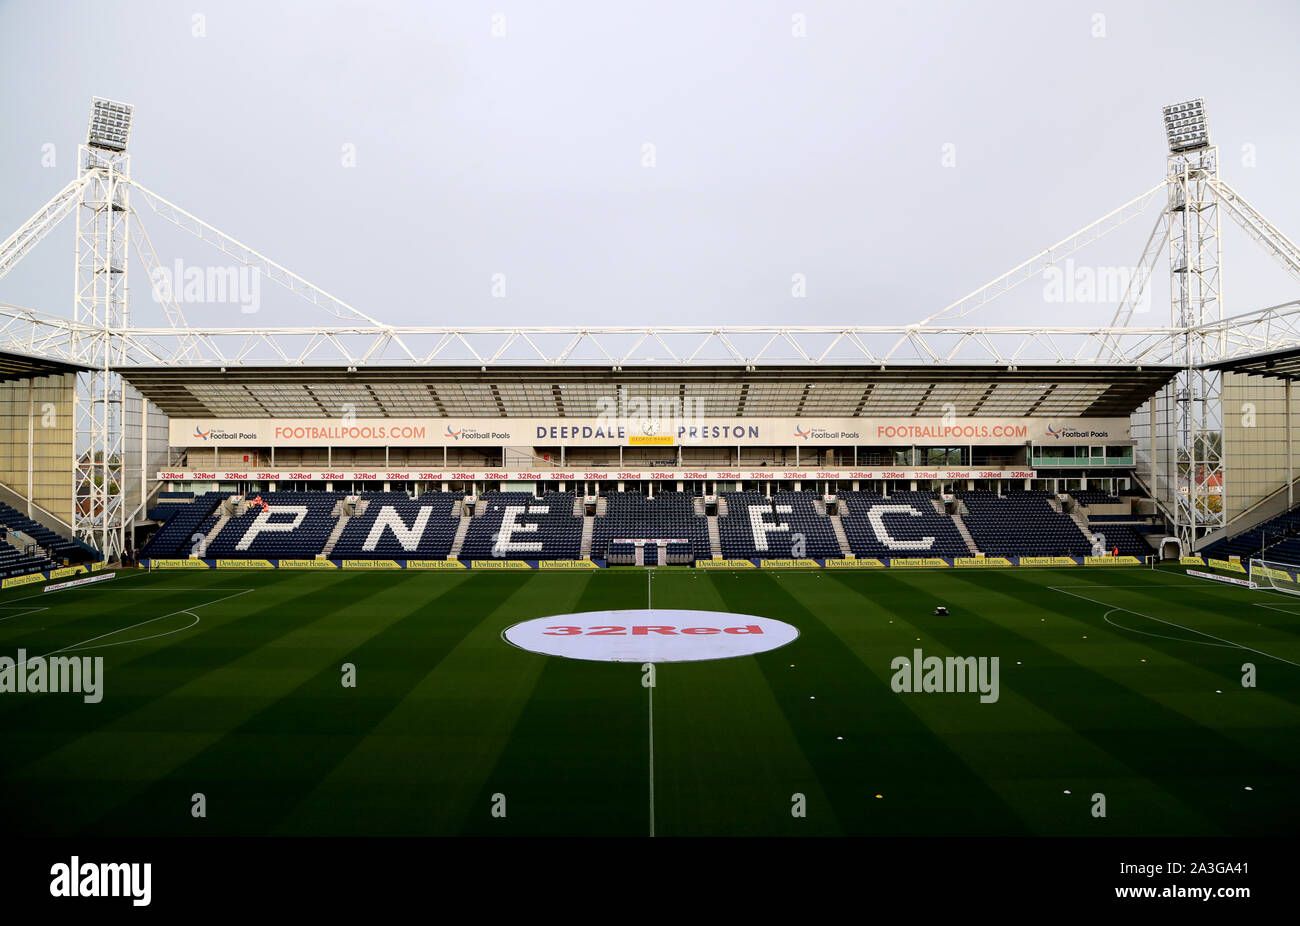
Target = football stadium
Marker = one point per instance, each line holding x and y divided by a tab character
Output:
922	578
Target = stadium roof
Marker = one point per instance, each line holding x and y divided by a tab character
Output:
24	366
720	391
1283	364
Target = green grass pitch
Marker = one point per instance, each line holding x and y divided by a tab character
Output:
1121	682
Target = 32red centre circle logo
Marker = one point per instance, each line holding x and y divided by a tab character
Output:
654	635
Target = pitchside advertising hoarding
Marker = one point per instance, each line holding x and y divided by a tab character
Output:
595	432
577	475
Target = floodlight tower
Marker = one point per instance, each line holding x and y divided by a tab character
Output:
1195	299
100	304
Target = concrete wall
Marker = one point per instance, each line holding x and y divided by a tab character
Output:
36	440
1254	438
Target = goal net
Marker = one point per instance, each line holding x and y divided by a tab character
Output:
1282	577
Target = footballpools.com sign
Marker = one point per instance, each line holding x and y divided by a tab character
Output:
656	635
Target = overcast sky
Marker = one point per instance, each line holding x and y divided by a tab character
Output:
649	162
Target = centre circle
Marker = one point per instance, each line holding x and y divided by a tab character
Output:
650	635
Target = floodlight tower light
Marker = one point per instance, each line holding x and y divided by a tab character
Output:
1194	398
110	124
103	501
1186	127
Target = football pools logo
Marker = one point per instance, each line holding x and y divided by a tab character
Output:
656	635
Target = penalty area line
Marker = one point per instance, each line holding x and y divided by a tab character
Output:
78	648
1106	618
21	611
82	644
1114	608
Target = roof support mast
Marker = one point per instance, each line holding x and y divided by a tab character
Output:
1195	255
100	304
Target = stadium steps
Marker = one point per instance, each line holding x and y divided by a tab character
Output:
216	528
965	534
841	537
601	504
579	506
701	510
722	506
588	527
344	518
1080	517
461	530
21	542
715	538
957	522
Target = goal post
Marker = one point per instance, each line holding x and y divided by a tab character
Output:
1281	577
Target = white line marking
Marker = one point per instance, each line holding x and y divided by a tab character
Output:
83	643
78	648
1106	618
1105	604
652	754
1279	608
21	611
168	588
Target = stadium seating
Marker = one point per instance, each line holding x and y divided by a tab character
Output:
1285	551
785	525
906	524
515	525
14	563
393	525
678	552
1278	538
666	516
1021	524
296	526
1088	497
55	546
1129	538
175	537
620	553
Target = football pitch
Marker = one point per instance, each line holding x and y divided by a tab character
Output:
1119	689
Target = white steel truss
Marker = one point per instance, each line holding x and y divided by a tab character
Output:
101	312
27	331
356	339
1195	255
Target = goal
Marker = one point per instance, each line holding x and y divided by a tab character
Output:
1282	577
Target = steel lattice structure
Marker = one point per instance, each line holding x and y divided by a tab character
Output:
112	225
